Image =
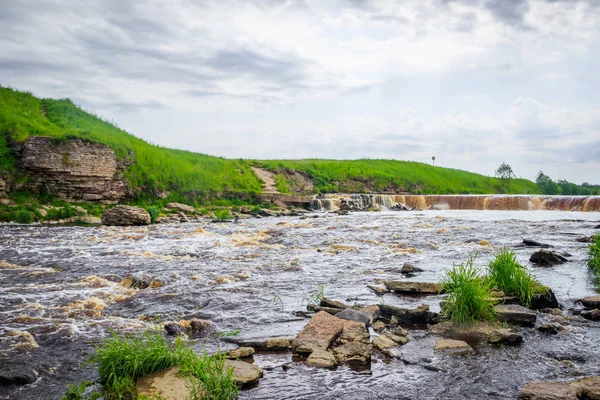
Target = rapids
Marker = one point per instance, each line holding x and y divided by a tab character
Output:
60	294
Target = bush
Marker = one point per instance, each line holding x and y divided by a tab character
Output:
510	277
469	299
222	214
154	212
593	261
62	213
23	216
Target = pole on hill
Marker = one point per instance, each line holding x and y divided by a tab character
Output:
433	160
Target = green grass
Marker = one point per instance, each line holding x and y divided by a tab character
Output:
122	360
154	212
23	216
77	392
395	176
509	276
222	214
469	298
593	260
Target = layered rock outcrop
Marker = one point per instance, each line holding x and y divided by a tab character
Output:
125	215
73	169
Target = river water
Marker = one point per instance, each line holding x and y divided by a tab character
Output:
59	294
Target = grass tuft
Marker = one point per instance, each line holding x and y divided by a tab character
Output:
154	212
23	216
593	260
469	298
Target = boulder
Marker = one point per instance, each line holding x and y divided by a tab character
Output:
408	269
545	299
543	390
547	258
516	314
454	347
180	207
419	315
318	334
13	375
589	388
414	287
240	352
321	358
592	315
125	215
201	327
400	340
591	302
167	385
505	336
535	243
244	374
354	315
2	188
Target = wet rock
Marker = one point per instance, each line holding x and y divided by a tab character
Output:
244	374
183	218
352	352
409	269
174	329
547	258
414	287
400	340
378	326
354	315
330	310
167	385
13	375
278	344
321	358
140	282
476	332
534	243
551	328
505	336
400	207
399	331
419	315
592	315
180	207
544	299
543	390
326	302
126	215
378	289
201	327
385	345
589	388
318	334
454	347
264	212
372	311
585	239
591	302
240	352
516	314
353	332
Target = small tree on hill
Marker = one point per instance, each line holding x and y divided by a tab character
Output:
547	185
505	174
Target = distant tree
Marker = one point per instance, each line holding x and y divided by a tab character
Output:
505	174
547	185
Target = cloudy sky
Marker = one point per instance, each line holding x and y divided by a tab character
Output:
472	82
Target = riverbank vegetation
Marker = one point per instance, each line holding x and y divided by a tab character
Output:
593	260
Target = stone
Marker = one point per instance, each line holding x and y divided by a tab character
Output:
10	375
201	327
400	340
330	310
505	336
591	301
592	315
174	328
516	314
419	315
90	219
589	388
378	326
353	331
240	352
547	258
454	347
551	328
543	390
385	345
167	385
414	287
140	282
585	239
278	344
409	269
476	332
184	208
125	215
535	243
544	299
321	358
372	311
399	331
353	352
326	302
42	212
318	334
354	315
244	374
378	289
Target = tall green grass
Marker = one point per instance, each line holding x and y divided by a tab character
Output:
509	276
469	299
593	260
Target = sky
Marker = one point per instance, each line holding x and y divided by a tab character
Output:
474	83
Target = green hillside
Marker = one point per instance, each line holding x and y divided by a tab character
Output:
355	176
157	169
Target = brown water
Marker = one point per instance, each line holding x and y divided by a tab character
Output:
58	295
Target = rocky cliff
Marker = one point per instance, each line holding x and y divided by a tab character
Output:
73	169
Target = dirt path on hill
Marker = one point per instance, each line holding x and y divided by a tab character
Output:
268	178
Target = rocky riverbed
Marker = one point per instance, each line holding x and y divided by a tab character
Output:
62	289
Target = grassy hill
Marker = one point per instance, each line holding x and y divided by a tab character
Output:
190	175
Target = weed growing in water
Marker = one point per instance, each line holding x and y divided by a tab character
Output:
469	299
315	300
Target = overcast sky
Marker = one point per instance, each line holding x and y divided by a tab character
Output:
473	83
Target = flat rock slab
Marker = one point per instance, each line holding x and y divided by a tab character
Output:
591	302
167	385
505	336
278	344
321	358
354	315
547	258
454	347
244	374
543	390
478	331
180	207
414	287
419	315
515	314
318	334
385	345
240	352
327	302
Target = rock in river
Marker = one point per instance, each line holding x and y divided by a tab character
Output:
454	347
318	334
125	215
244	374
419	315
240	352
354	315
408	269
321	358
542	390
16	376
547	258
353	344
591	302
414	287
592	315
505	336
515	314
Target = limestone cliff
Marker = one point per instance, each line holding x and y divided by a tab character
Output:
72	169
